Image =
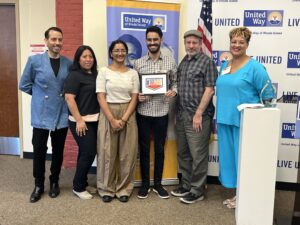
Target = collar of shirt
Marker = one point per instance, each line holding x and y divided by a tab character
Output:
159	58
194	57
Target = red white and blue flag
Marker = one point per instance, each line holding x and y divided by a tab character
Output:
205	26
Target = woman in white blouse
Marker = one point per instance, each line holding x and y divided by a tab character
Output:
117	88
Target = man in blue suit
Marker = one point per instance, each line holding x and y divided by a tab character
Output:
43	78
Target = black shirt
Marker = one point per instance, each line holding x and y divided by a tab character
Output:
55	63
83	85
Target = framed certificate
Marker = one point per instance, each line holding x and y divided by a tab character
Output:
154	83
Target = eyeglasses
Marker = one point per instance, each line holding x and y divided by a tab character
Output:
119	51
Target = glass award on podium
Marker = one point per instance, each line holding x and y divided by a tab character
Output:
268	95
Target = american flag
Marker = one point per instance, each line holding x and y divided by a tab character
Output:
205	26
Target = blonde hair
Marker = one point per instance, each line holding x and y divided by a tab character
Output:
241	31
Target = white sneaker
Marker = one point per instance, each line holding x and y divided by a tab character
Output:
83	195
91	189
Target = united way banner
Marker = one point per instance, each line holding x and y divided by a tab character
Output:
297	135
274	43
128	21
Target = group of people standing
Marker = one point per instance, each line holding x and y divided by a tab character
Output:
110	118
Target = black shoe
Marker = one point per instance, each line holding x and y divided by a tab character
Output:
36	194
191	198
107	198
180	192
161	192
54	190
124	198
143	192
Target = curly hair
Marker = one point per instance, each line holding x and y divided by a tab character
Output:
241	31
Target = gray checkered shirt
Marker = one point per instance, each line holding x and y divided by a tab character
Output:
192	77
156	105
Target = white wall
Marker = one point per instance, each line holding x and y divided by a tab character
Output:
35	17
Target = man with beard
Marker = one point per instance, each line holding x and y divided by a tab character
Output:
152	112
43	78
196	77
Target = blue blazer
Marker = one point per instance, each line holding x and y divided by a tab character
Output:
48	107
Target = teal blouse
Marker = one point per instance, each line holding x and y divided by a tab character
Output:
243	86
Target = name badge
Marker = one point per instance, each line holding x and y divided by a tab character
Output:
226	70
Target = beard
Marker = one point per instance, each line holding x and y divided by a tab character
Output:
154	51
193	52
55	49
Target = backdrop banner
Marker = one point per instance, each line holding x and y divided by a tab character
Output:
128	20
297	135
274	43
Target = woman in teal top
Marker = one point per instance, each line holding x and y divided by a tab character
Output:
241	80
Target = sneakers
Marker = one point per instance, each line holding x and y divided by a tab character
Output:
161	192
91	189
180	192
191	198
143	192
83	195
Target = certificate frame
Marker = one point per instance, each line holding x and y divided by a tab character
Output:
154	83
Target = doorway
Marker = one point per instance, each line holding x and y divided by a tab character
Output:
9	119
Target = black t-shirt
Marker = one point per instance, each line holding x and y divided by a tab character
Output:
55	63
83	85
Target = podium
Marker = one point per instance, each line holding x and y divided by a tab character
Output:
259	140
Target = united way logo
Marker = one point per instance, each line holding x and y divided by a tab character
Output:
221	56
293	60
288	130
154	83
275	18
225	56
137	21
263	18
159	22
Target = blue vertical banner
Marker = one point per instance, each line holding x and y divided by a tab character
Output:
297	131
128	21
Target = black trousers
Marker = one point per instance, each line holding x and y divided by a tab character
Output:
87	149
39	142
158	126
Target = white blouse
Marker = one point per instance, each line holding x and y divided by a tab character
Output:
118	86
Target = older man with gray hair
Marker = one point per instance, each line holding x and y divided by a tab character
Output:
196	77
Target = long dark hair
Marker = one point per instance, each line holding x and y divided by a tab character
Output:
78	53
